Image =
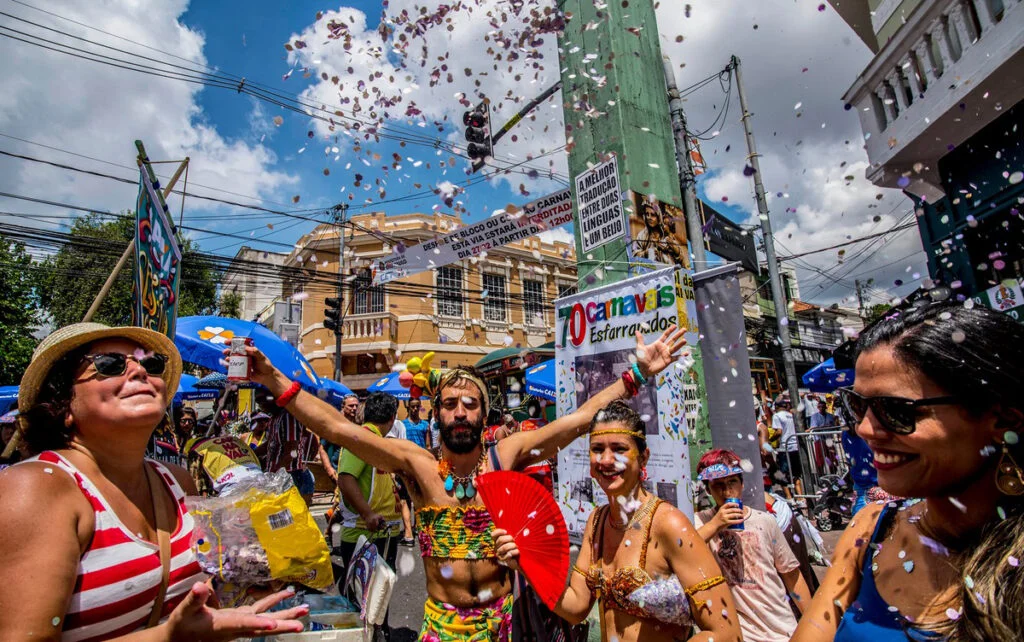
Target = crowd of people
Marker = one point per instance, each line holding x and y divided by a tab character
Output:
934	416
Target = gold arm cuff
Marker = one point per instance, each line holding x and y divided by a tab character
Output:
711	582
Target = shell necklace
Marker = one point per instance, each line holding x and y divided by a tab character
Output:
463	485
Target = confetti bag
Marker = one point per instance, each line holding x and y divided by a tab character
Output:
261	531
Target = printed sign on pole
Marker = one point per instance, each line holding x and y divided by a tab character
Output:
1005	297
157	261
542	214
599	202
595	340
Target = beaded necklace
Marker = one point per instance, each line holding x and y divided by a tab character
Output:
463	485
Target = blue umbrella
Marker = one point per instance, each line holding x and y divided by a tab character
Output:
389	384
8	397
202	340
824	377
333	392
540	380
187	390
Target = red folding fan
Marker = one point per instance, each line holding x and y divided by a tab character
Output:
521	506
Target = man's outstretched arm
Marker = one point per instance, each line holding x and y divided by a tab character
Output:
325	421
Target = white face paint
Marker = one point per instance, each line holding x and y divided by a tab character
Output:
467	400
620	462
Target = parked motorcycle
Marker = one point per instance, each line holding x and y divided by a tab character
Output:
834	502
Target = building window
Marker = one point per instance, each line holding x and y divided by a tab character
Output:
449	291
566	289
533	302
367	298
494	299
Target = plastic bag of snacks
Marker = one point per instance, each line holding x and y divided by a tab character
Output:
261	531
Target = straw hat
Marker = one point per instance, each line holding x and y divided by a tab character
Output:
62	341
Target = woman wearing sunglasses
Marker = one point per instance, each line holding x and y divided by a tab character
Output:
939	399
641	559
96	539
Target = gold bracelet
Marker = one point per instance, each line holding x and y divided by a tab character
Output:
711	582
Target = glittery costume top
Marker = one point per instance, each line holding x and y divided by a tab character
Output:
631	589
456	532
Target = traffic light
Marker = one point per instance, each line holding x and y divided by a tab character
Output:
332	314
478	131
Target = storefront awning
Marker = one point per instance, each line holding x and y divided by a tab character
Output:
496	359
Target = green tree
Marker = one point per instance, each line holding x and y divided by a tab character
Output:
230	305
70	279
18	311
876	312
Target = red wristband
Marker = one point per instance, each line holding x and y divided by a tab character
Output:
289	394
630	383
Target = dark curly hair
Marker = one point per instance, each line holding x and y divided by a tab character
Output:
620	412
973	354
43	425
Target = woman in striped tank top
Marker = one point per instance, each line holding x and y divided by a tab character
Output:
85	520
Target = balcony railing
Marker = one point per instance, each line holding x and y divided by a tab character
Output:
946	50
371	327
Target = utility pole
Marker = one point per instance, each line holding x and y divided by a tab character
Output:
860	298
778	294
687	181
338	212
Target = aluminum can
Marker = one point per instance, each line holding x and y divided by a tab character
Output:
238	360
738	502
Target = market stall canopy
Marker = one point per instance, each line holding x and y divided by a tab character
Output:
540	380
389	384
514	357
825	377
202	340
333	392
495	358
8	398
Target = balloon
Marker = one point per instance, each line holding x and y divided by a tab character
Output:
405	378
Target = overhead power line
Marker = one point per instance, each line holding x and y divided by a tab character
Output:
898	228
222	81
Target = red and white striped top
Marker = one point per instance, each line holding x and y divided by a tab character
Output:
119	575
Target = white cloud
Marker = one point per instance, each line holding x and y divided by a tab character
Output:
445	71
98	110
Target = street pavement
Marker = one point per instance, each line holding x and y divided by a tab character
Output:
410	590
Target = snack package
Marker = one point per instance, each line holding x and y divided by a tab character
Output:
260	531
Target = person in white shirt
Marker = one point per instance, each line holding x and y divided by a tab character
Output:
788	457
756	560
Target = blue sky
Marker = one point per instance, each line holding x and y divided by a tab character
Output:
798	61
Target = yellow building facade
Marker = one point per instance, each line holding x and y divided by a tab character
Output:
462	311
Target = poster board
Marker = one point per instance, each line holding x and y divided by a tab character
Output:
546	213
599	203
157	261
594	342
1005	297
658	231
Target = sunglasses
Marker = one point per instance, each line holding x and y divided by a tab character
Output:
896	414
115	364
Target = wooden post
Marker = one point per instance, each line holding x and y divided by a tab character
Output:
143	162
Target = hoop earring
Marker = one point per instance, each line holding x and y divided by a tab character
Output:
643	474
1009	476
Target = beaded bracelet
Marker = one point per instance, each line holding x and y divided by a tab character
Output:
289	394
640	378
